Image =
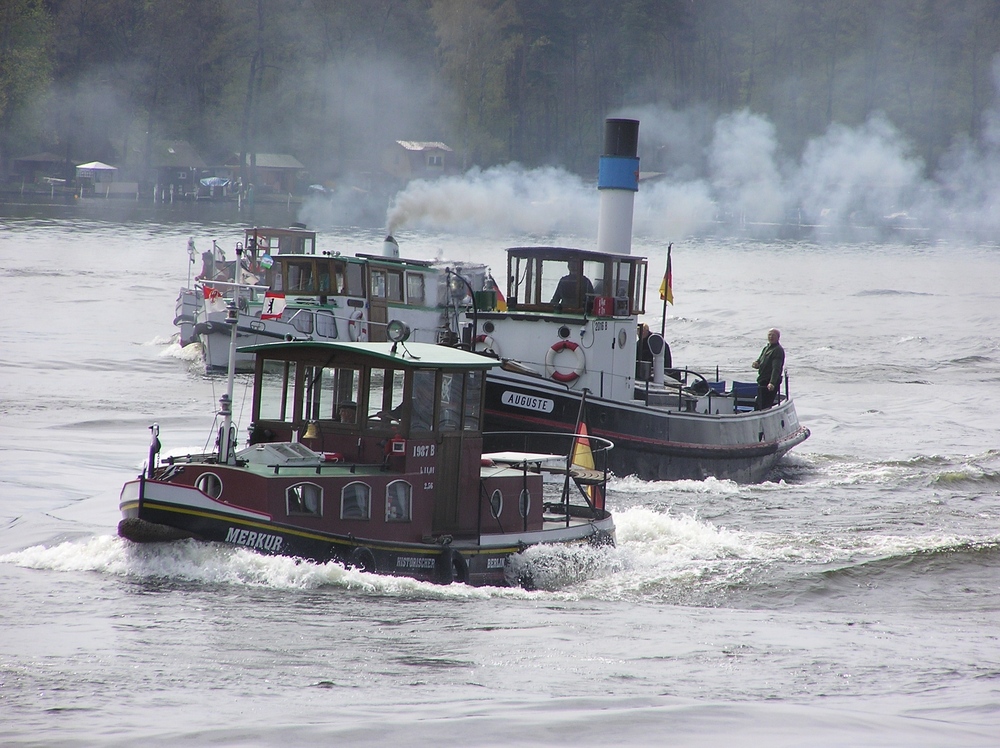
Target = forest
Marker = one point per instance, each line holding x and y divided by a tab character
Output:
526	81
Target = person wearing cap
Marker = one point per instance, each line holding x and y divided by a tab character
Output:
769	364
348	412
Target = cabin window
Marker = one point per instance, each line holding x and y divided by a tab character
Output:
355	286
304	499
378	284
565	283
276	394
473	399
639	304
278	283
450	413
356	501
422	401
394	286
414	288
331	393
300	319
324	280
339	279
326	325
619	285
209	484
385	397
344	385
524	502
398	498
300	277
496	503
521	280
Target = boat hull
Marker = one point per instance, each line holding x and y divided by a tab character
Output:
653	443
154	511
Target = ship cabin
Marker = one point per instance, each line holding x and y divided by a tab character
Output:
571	318
393	421
372	289
257	243
575	281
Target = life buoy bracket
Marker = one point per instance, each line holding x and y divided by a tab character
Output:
489	345
357	328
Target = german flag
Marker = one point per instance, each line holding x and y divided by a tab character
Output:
667	284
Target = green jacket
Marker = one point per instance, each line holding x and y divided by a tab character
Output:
771	361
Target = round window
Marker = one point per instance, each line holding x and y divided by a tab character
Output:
209	483
524	503
496	503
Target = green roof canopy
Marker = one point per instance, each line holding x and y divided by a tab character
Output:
407	355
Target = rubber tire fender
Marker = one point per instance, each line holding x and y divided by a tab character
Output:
362	559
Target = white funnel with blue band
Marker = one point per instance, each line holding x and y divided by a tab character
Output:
618	181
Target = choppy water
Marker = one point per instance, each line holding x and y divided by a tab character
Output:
853	600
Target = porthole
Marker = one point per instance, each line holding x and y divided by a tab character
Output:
496	503
524	502
209	484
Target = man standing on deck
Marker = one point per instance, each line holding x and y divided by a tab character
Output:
769	364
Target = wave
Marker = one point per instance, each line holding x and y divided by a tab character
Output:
189	561
891	292
46	272
660	557
973	359
948	574
191	353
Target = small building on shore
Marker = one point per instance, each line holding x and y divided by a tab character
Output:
43	166
274	173
417	159
176	166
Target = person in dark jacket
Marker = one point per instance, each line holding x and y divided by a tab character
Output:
568	291
769	364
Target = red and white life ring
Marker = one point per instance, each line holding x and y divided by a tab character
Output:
489	345
357	328
550	359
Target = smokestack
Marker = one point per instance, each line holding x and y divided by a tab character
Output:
390	248
618	181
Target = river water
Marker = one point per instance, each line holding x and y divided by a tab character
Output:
851	600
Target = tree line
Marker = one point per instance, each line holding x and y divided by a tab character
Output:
531	81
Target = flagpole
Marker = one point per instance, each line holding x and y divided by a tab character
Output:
663	296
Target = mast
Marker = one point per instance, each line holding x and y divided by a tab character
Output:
227	436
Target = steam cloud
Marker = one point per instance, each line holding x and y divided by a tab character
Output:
506	198
731	174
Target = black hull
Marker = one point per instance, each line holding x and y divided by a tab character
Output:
652	443
151	521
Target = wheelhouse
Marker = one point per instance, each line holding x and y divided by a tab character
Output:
559	279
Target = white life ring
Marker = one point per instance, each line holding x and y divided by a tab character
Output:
357	328
550	358
489	345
